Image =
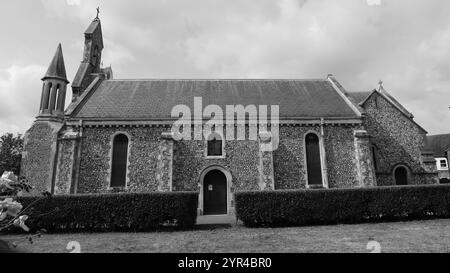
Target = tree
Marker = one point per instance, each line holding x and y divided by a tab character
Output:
10	153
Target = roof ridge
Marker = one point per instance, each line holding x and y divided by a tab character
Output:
156	98
212	79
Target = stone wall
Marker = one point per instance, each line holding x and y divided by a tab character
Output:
241	160
96	154
340	155
187	159
364	159
39	152
65	166
398	140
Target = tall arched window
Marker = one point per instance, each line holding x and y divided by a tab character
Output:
313	162
119	161
401	175
47	96
58	90
215	145
375	157
95	55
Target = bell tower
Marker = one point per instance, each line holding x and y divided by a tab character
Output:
54	88
92	56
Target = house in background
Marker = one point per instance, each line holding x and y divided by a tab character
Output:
439	145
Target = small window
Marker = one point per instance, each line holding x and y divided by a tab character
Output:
215	146
442	163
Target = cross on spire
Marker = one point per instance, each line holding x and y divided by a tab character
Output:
380	85
98	11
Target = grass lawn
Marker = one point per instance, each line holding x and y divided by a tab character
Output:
417	236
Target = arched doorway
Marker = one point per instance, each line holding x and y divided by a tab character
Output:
215	193
401	176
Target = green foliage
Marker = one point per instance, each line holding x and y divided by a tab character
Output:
112	212
10	152
339	206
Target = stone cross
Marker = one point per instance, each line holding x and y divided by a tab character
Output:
380	84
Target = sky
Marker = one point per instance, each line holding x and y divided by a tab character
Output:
404	43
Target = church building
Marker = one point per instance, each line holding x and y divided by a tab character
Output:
115	136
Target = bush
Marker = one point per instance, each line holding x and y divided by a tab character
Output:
339	206
112	212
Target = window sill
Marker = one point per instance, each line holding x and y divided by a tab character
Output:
315	187
117	189
215	156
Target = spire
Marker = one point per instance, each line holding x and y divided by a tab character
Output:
57	68
92	57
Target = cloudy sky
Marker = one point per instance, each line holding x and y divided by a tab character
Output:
403	42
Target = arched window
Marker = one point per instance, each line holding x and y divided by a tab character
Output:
47	97
42	97
313	161
58	89
119	161
95	55
375	157
401	175
215	145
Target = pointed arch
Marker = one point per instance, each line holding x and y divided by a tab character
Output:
314	160
119	160
229	183
401	175
57	91
375	156
46	100
41	107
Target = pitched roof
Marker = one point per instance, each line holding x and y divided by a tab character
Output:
152	99
438	144
57	69
359	96
395	102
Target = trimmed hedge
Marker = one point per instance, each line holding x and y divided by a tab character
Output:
339	206
112	212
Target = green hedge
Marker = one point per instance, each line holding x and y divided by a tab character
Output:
336	206
112	212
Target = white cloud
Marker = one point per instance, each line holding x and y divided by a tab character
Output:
373	2
20	94
405	43
73	2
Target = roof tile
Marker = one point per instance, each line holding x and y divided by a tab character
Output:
142	99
